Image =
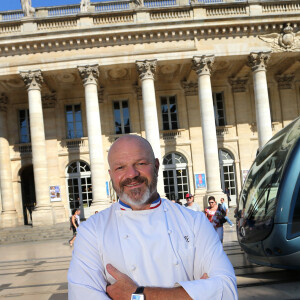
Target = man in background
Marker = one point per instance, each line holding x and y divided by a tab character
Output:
191	204
225	208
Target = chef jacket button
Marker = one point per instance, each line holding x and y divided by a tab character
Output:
169	231
133	268
165	209
126	236
176	263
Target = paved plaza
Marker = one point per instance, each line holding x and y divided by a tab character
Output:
38	271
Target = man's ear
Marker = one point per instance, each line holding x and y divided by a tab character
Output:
156	165
109	172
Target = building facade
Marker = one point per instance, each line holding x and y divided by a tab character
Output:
206	82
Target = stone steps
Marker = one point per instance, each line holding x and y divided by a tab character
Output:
31	234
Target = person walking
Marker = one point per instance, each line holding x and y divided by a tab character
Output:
74	224
225	208
215	215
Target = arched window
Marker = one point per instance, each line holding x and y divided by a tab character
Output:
175	175
228	176
79	184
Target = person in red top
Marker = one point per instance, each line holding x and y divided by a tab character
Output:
214	215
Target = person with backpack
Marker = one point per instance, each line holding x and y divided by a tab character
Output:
215	214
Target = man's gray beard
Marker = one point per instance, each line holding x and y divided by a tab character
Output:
134	202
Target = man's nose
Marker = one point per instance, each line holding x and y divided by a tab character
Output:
132	172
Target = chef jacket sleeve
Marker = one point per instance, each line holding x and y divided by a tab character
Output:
86	276
210	258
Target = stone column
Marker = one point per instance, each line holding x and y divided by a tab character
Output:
42	214
286	91
9	216
258	63
203	66
89	75
146	70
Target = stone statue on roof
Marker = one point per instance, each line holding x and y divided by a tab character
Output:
27	8
85	5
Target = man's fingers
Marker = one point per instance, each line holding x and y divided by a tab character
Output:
204	276
115	273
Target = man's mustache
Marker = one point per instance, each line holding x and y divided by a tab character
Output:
138	179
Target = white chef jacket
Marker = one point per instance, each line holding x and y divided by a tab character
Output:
155	248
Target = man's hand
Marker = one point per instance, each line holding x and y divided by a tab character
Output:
123	288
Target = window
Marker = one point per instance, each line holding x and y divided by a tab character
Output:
24	124
175	174
218	99
74	121
169	112
79	183
121	115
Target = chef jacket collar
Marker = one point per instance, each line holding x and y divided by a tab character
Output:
153	205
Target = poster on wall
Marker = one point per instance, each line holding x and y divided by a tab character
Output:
200	181
244	174
55	193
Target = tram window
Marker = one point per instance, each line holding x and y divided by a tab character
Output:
296	216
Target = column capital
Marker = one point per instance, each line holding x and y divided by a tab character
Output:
285	81
49	100
32	79
202	65
258	60
190	88
3	102
89	74
146	68
238	84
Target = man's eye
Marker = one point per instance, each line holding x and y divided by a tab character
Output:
119	168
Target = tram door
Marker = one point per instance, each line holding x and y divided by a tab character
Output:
80	188
228	177
175	175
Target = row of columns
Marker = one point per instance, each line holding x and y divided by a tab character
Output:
146	70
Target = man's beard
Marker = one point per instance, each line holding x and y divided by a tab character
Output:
134	197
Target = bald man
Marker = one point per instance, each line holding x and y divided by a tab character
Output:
146	247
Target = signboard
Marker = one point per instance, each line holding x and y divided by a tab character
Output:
200	181
55	193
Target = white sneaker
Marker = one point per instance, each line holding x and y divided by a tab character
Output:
231	225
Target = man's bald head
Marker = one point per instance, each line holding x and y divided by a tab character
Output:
131	141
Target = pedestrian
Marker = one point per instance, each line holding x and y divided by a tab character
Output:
215	215
144	246
227	192
191	204
74	225
225	208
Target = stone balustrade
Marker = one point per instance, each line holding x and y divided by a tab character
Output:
79	145
21	150
211	8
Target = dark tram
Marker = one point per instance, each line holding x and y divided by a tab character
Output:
268	212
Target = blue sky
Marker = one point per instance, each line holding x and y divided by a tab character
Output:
16	4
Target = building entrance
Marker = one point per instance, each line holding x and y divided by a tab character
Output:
79	184
228	173
28	193
175	174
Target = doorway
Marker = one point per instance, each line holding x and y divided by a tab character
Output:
28	193
79	184
175	175
227	171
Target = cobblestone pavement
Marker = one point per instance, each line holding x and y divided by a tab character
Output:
38	271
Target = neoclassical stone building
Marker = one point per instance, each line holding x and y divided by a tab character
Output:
206	82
